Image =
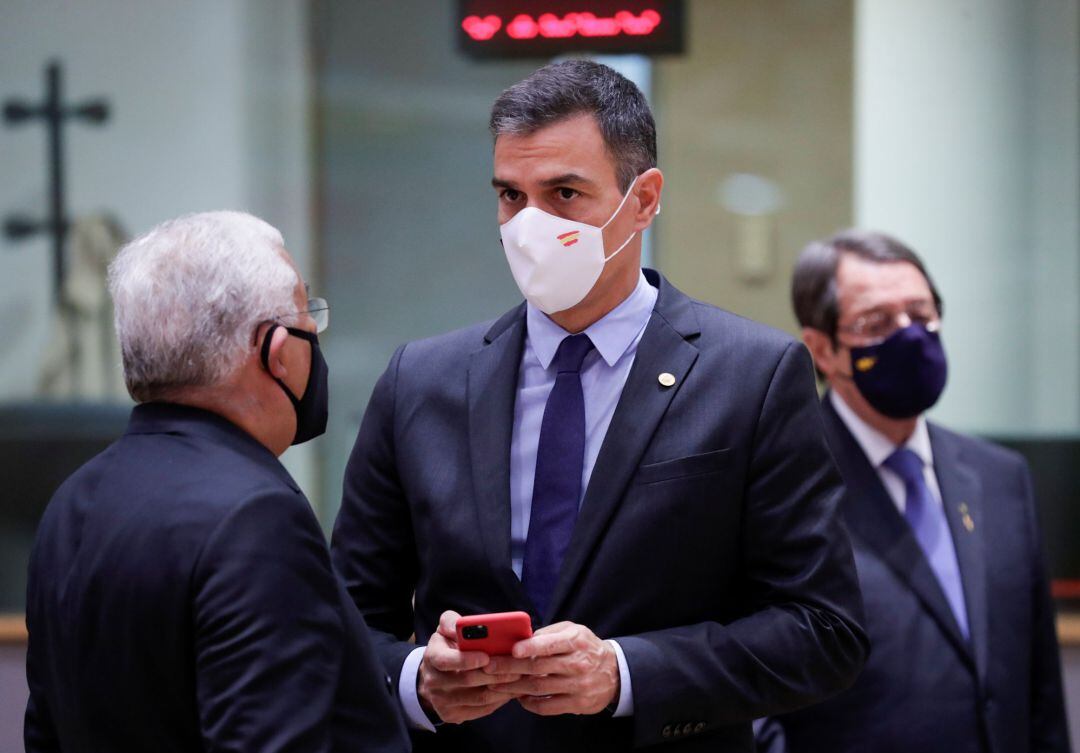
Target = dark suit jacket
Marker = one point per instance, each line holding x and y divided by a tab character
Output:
708	542
924	687
181	598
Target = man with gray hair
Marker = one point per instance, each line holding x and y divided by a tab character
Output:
180	593
645	475
948	549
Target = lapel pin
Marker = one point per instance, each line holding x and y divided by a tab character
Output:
965	518
666	379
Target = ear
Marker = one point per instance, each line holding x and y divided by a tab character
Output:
277	342
648	188
821	349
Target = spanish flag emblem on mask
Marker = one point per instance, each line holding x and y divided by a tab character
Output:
569	239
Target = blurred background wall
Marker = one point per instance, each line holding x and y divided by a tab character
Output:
967	128
755	129
409	243
360	131
210	110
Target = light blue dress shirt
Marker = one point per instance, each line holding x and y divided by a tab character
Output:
603	375
615	339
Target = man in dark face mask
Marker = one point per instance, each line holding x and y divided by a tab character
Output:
180	592
964	655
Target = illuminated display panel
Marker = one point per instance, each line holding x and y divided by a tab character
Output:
545	28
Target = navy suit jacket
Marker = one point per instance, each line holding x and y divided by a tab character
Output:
181	598
924	687
708	543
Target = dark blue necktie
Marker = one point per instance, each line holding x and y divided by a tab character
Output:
560	458
927	520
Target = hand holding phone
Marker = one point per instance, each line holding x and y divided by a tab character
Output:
494	634
452	683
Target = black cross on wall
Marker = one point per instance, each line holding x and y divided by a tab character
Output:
54	113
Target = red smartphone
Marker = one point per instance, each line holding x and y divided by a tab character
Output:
494	634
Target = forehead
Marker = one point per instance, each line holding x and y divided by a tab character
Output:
570	145
863	284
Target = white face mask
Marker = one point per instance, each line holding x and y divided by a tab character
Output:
556	261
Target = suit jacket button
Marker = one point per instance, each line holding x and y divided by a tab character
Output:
699	726
666	732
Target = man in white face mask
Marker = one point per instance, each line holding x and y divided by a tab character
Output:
644	474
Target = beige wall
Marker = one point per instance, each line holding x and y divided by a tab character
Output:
765	89
968	149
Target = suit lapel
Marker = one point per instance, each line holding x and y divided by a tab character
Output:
872	515
492	385
961	493
664	347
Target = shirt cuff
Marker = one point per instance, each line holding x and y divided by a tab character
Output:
625	706
410	701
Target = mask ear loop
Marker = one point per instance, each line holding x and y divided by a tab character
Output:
621	204
264	354
616	214
849	377
620	248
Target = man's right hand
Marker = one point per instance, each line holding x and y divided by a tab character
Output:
452	683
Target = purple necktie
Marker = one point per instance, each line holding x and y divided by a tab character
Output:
927	520
560	457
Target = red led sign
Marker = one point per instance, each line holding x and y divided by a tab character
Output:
550	26
497	28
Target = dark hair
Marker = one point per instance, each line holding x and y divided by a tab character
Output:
572	87
813	286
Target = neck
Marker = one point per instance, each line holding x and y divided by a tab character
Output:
600	301
240	409
896	430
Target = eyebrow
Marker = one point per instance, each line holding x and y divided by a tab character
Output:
885	308
558	180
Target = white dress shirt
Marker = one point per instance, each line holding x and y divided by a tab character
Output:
877	447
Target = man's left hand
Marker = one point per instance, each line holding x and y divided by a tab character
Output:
565	669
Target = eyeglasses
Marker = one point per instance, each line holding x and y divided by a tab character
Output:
878	324
318	309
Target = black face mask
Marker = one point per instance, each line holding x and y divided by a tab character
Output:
313	408
903	375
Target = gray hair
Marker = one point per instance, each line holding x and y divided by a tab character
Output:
813	286
188	296
572	87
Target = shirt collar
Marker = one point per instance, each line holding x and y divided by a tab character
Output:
876	445
612	335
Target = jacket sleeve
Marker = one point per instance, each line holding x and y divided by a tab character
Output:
269	636
1049	728
798	639
39	735
39	732
372	544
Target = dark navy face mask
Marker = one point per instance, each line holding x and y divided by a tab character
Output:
312	409
903	375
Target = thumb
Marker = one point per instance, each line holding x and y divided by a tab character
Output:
448	625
